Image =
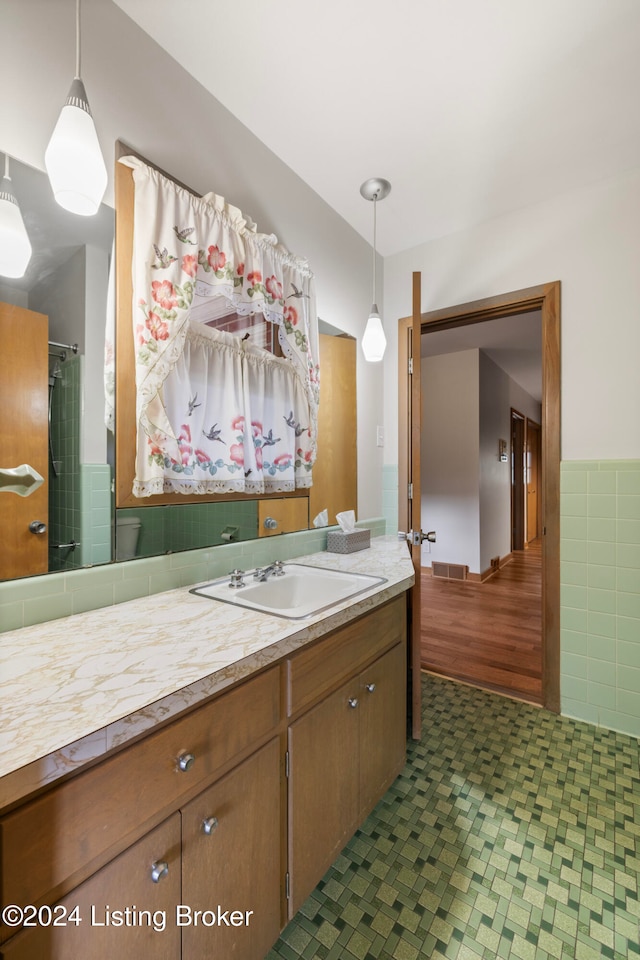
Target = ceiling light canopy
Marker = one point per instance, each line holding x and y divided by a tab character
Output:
15	248
374	341
73	159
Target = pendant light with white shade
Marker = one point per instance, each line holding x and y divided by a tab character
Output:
374	341
15	248
73	159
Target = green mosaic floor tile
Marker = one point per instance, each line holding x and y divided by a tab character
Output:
512	833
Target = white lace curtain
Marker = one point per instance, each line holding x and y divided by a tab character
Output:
217	414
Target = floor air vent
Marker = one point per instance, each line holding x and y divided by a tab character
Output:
449	571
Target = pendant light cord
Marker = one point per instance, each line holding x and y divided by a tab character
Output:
77	39
375	200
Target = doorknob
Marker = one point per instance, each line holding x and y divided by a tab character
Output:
38	527
416	537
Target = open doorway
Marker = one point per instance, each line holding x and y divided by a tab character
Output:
481	599
546	299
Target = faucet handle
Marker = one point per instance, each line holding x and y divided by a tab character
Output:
278	568
236	578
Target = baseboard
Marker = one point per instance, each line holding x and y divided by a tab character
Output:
497	564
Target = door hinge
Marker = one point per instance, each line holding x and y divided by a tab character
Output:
410	491
286	764
287	891
410	365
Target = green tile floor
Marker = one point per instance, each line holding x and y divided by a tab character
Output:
511	833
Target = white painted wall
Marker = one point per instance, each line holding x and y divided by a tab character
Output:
466	489
19	298
140	95
449	458
74	297
498	393
590	241
93	442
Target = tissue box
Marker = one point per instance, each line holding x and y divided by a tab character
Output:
340	542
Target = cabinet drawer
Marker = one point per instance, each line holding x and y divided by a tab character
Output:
70	831
125	883
315	671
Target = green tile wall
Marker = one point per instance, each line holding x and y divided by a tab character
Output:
600	593
65	519
79	494
190	526
47	597
95	512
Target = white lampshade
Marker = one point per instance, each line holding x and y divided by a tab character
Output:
374	341
73	159
15	249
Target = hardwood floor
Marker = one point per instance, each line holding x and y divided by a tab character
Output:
488	634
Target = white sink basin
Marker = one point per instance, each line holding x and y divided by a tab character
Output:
299	592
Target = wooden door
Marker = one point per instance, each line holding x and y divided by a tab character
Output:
409	519
533	480
24	430
97	925
335	479
545	297
236	864
382	725
323	788
518	500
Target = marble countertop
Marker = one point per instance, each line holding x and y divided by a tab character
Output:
75	688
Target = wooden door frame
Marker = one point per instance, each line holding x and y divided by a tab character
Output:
546	298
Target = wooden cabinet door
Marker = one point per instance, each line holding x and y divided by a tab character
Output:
289	514
323	788
234	871
117	909
335	475
383	725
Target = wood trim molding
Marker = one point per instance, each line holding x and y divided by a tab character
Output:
546	298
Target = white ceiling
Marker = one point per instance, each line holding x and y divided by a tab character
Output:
471	108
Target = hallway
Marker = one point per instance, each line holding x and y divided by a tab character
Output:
488	634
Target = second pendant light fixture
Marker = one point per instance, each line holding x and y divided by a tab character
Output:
374	341
73	159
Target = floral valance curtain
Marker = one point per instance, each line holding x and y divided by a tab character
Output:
217	414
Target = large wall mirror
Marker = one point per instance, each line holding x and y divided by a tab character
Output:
51	402
61	302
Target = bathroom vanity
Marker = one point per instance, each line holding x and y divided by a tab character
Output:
197	823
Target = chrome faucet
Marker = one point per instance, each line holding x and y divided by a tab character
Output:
276	568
